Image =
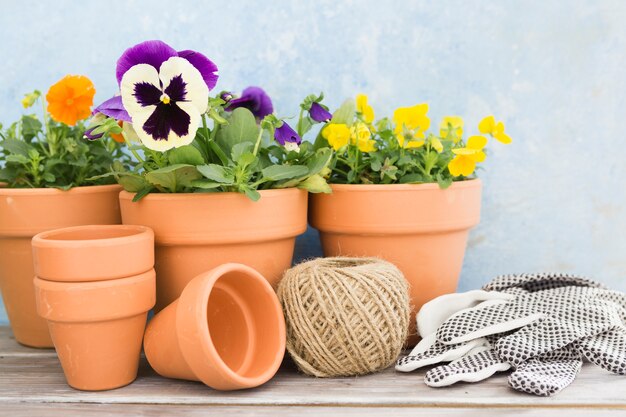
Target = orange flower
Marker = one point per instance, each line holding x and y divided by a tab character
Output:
70	99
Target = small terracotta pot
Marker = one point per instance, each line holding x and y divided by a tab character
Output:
26	212
420	228
95	286
227	330
197	232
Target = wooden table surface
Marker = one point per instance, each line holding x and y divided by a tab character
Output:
32	384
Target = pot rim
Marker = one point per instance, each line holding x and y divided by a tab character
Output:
46	239
81	189
127	195
471	183
200	328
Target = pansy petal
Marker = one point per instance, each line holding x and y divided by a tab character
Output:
196	91
319	113
152	53
203	64
113	108
479	156
254	99
139	75
486	125
503	137
476	142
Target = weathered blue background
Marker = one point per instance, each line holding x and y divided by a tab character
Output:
554	70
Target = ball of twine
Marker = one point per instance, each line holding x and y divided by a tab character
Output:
345	316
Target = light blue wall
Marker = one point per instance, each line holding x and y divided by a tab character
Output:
554	70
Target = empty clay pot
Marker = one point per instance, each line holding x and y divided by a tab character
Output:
197	232
95	286
420	228
227	330
26	212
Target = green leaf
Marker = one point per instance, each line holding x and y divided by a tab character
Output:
412	179
444	182
315	184
132	183
253	195
284	172
242	155
345	113
15	146
241	128
48	177
319	161
206	184
216	173
18	158
31	126
185	155
142	193
173	178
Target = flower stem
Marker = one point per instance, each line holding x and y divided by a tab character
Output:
130	148
258	141
51	145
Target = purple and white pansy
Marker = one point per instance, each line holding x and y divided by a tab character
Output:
287	137
163	93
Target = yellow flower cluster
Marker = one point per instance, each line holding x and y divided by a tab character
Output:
410	125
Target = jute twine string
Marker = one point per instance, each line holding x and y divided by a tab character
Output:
345	316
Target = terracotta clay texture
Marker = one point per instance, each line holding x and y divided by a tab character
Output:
23	214
227	330
420	228
197	232
95	286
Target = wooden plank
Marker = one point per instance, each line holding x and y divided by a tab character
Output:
10	347
41	381
105	410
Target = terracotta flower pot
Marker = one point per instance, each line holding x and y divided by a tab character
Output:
197	232
227	330
420	228
26	212
95	286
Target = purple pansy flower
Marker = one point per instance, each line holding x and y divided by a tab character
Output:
319	113
254	99
165	104
287	137
114	109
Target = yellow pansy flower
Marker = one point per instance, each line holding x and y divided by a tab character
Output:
451	124
489	126
366	111
464	163
361	136
337	135
411	123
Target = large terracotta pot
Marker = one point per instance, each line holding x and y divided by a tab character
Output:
95	286
420	228
197	232
227	330
26	212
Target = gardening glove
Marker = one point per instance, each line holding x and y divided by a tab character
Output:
430	351
476	360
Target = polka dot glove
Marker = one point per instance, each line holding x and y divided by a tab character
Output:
545	368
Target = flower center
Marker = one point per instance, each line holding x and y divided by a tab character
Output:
165	99
69	101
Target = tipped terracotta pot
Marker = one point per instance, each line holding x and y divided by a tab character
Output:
24	212
226	330
197	232
95	286
420	228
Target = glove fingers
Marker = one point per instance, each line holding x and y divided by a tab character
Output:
471	368
607	350
490	317
436	311
435	352
539	281
547	375
556	332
